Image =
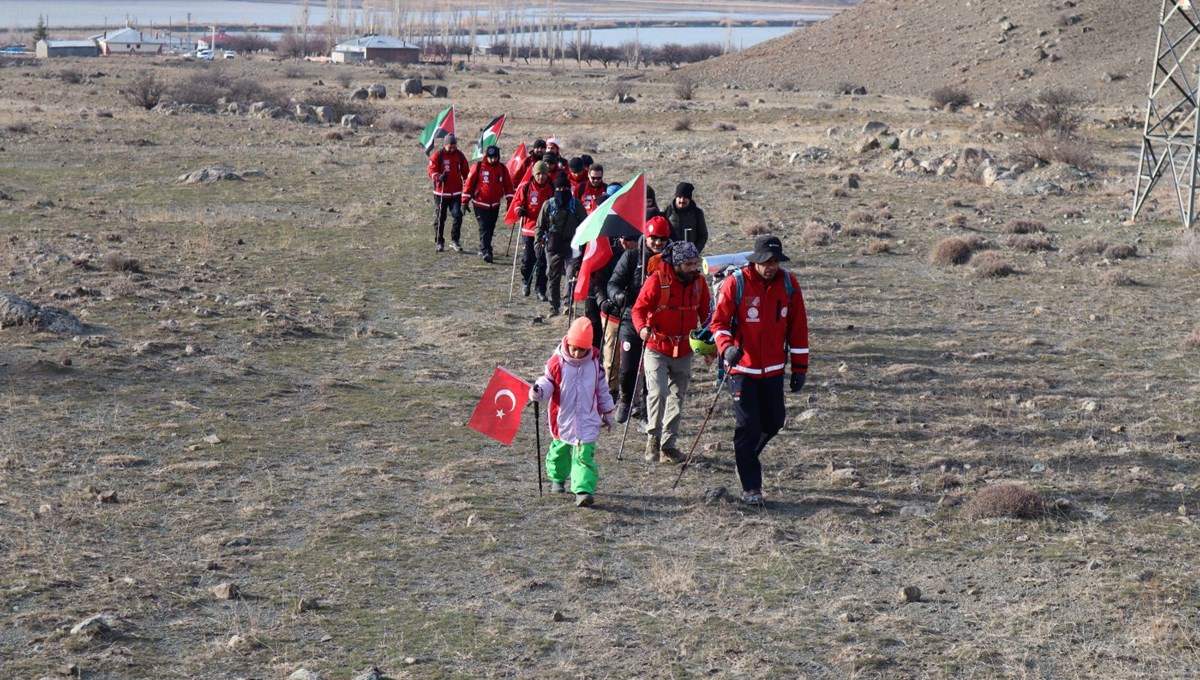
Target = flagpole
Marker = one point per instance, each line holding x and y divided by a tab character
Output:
537	434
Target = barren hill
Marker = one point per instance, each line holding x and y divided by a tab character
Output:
992	48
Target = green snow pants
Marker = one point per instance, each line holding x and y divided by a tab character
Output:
564	460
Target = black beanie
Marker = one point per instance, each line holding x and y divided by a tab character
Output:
575	164
684	190
650	192
562	181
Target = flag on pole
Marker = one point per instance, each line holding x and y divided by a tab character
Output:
441	126
623	214
498	414
595	256
514	164
488	135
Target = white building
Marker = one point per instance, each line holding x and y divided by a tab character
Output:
129	40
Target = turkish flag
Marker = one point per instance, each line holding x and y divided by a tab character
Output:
498	414
515	163
595	256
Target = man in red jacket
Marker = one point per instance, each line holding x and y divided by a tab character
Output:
760	326
448	168
673	302
486	186
593	191
530	198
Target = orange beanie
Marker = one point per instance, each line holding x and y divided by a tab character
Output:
580	333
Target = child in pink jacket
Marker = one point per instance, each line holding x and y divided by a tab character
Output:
579	405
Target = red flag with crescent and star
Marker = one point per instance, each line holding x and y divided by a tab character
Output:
498	414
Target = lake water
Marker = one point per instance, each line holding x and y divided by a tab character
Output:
60	15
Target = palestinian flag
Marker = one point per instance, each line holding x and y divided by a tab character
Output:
441	126
623	214
595	256
488	135
514	164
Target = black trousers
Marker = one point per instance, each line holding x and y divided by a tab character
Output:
592	311
486	217
452	205
760	410
631	358
533	263
559	265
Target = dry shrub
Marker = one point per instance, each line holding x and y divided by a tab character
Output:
1047	149
881	204
816	234
397	122
883	215
1116	277
1193	340
739	103
117	262
875	246
682	125
618	89
1188	250
948	481
1017	226
725	127
957	221
1090	245
19	126
756	229
1030	243
685	87
872	230
954	203
860	217
977	242
1006	499
838	192
334	135
951	251
950	98
144	91
991	266
1120	251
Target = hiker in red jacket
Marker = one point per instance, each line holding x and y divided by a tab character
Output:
529	199
448	168
760	326
522	173
593	191
672	303
486	186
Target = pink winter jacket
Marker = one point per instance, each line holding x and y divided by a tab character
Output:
578	394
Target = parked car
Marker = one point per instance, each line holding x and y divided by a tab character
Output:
230	54
204	55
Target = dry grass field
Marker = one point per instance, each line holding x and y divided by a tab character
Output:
255	460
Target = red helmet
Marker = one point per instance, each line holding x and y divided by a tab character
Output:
658	226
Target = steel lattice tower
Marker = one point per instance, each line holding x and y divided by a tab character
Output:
1171	136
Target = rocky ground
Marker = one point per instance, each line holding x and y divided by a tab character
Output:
252	460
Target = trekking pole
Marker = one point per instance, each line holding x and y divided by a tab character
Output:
512	281
511	230
637	383
537	437
691	453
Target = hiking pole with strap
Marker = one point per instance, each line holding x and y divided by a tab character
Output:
637	384
537	438
691	453
512	281
512	230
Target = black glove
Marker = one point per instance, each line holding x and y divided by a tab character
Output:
733	354
797	381
618	300
521	212
609	308
442	178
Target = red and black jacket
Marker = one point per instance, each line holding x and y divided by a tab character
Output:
769	326
487	185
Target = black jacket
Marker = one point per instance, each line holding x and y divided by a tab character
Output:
688	225
629	275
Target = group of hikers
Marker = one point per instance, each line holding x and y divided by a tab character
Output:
648	311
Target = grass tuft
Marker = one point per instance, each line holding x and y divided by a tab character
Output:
817	234
1120	251
1017	226
991	266
951	251
115	261
1030	243
1117	278
1006	499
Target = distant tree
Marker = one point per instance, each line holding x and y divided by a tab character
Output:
41	31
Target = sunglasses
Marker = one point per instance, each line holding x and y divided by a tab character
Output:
658	238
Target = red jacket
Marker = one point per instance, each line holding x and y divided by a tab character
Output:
455	165
771	329
577	180
670	308
487	185
532	196
591	196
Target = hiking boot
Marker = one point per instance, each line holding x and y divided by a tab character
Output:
456	246
441	247
557	487
487	257
554	311
542	297
584	500
754	497
652	445
670	454
622	413
525	288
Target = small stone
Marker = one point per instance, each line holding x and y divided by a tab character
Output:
371	673
307	604
239	542
305	674
1038	468
1090	406
909	594
847	617
558	616
713	495
107	497
213	439
225	591
93	626
410	660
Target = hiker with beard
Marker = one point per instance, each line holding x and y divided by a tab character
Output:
556	225
535	155
623	288
673	302
448	167
593	191
760	326
686	218
486	186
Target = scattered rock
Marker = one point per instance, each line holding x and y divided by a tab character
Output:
213	439
307	604
214	173
713	495
94	626
909	594
558	616
239	542
412	87
845	477
17	311
360	94
225	591
107	497
377	91
371	673
305	674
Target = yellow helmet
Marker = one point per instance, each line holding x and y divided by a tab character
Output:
701	340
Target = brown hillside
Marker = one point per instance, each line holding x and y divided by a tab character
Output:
993	49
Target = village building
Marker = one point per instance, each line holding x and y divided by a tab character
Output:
129	40
67	48
376	48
